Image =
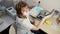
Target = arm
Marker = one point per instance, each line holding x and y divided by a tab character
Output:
35	28
42	21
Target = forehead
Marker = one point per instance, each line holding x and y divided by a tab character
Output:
25	7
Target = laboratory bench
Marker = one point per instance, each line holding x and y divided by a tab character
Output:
45	27
7	21
48	28
50	24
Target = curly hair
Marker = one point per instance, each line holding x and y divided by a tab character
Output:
19	6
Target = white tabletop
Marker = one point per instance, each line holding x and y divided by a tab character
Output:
47	28
7	21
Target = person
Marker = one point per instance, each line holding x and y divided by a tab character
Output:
22	20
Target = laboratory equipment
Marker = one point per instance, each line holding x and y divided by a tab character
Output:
42	14
48	22
55	20
12	12
35	11
38	12
2	10
38	3
58	19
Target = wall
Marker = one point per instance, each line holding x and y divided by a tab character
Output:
50	4
46	4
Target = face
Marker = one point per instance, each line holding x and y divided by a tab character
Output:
25	10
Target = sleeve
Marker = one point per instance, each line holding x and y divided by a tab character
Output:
27	24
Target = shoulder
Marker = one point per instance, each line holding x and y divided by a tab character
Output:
19	19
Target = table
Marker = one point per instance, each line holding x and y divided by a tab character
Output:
46	28
7	22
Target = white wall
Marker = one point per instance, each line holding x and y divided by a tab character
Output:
47	4
16	1
50	4
30	2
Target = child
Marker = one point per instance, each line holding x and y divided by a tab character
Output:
22	19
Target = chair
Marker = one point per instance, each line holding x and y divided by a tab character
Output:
12	29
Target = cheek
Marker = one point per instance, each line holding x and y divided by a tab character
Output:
25	9
22	12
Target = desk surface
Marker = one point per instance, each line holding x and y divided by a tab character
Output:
47	28
7	21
